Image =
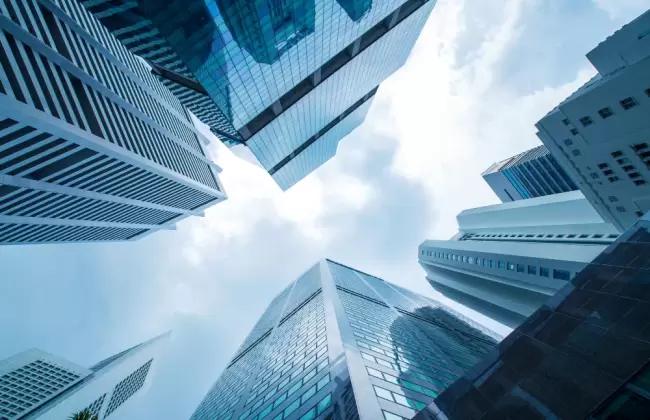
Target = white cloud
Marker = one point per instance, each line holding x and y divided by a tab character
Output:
622	9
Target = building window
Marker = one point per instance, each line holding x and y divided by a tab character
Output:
638	214
647	92
470	260
492	264
574	131
520	268
603	165
606	113
568	142
543	271
532	269
640	146
628	168
561	275
628	103
575	152
478	261
566	121
634	175
613	179
613	199
617	154
502	264
594	175
620	209
608	172
623	161
511	267
586	121
640	182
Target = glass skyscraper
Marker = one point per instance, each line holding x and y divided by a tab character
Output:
92	146
584	354
338	343
293	77
533	173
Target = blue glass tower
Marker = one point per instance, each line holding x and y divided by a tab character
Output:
533	173
293	77
92	146
338	343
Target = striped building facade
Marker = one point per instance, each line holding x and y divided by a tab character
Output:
127	22
92	146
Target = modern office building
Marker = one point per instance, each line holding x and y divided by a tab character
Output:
533	173
583	355
37	385
293	77
508	259
92	146
339	343
600	134
128	22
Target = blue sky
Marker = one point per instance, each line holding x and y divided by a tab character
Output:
480	76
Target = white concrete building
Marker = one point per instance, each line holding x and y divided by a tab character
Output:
600	135
508	258
37	385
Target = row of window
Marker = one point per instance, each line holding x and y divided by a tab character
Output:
519	268
398	381
289	363
470	236
297	403
627	104
398	398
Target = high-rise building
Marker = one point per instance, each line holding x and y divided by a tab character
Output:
127	20
508	259
599	135
37	385
583	355
293	77
339	343
533	173
92	146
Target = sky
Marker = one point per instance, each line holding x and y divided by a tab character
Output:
481	75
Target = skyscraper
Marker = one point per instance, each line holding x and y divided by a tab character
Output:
599	135
583	355
37	385
508	259
533	173
293	77
92	146
340	343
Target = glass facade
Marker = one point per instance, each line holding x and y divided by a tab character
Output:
533	173
92	146
280	71
342	344
583	355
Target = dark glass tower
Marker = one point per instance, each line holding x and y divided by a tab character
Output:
341	344
292	77
583	355
92	146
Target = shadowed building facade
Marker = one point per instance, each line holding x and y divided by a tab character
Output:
292	77
584	354
341	344
92	146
